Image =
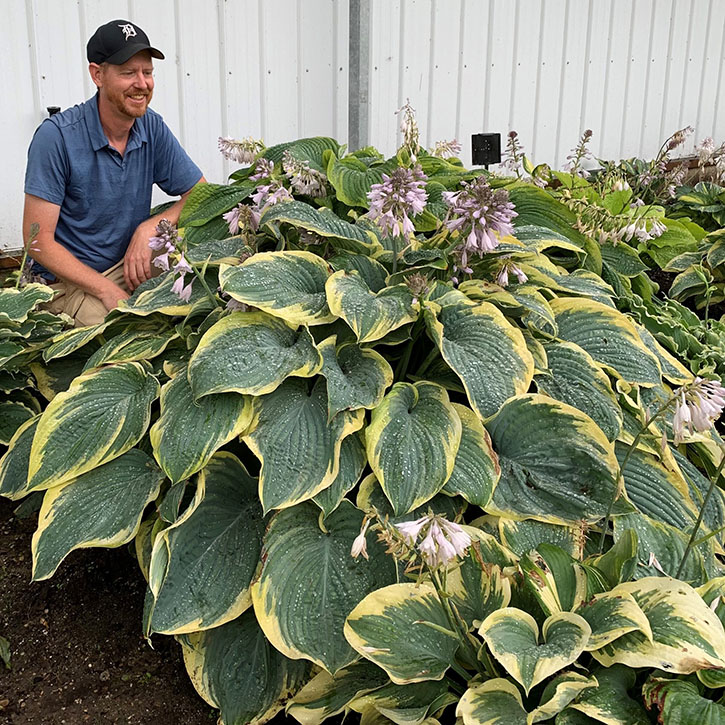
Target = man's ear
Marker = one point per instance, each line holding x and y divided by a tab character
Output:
96	72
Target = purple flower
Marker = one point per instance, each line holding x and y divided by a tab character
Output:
399	195
409	129
178	286
443	541
243	152
509	267
232	219
182	266
162	261
447	149
263	170
270	194
303	179
167	237
479	214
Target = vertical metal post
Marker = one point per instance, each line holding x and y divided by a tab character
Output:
359	81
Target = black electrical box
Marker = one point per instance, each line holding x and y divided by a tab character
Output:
486	148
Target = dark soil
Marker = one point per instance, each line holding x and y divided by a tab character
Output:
77	653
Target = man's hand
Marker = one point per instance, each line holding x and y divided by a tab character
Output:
112	295
137	261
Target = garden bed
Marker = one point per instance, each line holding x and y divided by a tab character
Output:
75	658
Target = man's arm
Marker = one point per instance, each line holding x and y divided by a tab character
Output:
137	261
56	258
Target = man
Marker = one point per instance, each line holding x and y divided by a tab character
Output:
89	178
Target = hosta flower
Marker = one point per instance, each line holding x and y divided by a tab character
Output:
479	214
162	261
411	529
400	195
442	540
409	129
678	138
360	545
243	152
698	406
242	217
303	179
263	170
503	275
178	288
182	266
447	149
513	154
167	237
269	194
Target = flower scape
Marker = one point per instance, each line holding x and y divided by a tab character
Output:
430	442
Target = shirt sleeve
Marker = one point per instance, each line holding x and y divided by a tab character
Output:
174	171
47	172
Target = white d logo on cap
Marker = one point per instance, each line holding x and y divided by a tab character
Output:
128	30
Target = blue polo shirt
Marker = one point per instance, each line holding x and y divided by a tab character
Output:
102	195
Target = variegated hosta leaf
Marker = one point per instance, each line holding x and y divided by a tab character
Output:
202	577
698	485
322	222
14	464
251	352
71	340
494	702
620	561
370	495
608	336
559	693
290	285
412	442
371	315
104	413
325	695
558	582
391	627
16	304
235	668
352	463
522	536
374	274
512	635
413	704
476	470
490	550
478	588
659	493
672	368
660	548
680	703
574	378
57	375
155	295
686	634
298	448
13	414
487	353
188	432
610	702
101	508
610	615
352	179
357	377
309	582
556	464
130	345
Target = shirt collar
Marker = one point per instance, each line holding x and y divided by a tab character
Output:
98	137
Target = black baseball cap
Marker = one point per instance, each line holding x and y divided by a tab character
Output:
117	41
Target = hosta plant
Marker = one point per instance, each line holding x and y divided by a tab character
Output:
421	365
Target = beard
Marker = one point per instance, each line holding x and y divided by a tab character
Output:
128	108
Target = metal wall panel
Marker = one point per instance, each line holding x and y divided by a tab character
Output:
631	70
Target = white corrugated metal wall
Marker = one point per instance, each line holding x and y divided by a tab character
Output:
631	70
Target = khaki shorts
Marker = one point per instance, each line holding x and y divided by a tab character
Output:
84	308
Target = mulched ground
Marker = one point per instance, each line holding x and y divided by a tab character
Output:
77	654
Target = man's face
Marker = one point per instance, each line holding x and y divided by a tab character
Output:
128	87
